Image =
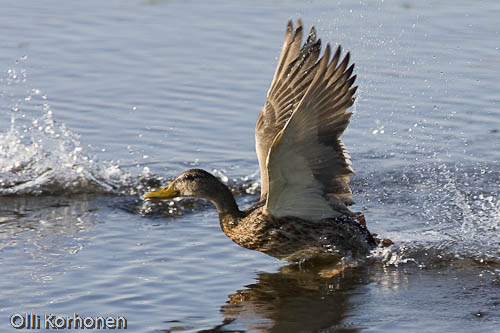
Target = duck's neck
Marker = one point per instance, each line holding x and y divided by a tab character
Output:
226	206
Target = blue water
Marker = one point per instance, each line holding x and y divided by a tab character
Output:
103	101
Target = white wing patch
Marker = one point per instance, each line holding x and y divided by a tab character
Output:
293	189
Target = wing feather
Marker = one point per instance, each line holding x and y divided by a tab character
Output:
295	71
308	166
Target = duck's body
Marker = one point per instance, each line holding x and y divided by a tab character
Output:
295	239
304	166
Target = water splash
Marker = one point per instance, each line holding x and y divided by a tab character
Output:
40	156
469	212
454	210
47	158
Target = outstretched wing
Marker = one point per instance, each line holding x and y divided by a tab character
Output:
308	165
295	71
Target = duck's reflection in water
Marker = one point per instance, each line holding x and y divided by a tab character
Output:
295	299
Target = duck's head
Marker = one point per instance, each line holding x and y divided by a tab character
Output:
200	184
191	183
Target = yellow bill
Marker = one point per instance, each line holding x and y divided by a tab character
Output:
164	193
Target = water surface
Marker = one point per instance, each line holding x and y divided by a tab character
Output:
102	101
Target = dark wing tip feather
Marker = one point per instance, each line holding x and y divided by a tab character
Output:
298	30
351	80
328	48
338	52
347	58
350	70
353	90
312	34
327	52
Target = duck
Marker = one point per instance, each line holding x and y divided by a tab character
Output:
304	166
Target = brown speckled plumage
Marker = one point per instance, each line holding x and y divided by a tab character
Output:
295	239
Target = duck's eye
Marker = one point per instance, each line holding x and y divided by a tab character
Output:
188	177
